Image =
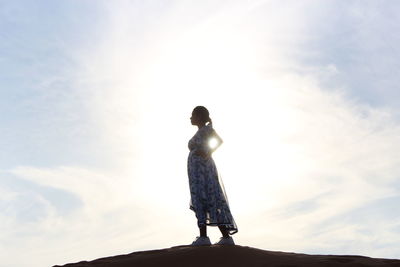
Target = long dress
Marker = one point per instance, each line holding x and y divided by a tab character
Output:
207	195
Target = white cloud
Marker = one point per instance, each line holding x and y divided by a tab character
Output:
112	216
338	156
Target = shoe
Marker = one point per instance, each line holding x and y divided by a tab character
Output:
201	241
225	241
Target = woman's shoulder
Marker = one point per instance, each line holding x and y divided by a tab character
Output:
209	129
206	129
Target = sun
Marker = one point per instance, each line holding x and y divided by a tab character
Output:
212	143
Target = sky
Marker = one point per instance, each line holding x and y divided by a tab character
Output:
95	101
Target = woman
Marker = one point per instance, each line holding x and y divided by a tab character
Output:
208	199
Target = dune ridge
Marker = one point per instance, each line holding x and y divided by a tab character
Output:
232	256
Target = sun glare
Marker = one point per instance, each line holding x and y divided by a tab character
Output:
212	143
251	113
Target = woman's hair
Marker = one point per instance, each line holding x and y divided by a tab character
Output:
203	113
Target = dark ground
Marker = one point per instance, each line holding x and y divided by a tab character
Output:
232	256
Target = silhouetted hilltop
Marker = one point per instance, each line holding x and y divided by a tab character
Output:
232	256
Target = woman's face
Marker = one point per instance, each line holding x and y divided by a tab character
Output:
195	118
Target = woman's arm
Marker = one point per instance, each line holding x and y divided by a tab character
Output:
206	150
218	139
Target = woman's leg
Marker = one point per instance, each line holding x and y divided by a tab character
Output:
223	230
203	230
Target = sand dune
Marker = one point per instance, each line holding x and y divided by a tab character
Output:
232	256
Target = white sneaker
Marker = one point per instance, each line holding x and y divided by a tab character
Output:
201	241
225	241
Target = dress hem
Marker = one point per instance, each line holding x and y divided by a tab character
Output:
231	231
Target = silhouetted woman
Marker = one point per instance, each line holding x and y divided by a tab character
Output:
208	198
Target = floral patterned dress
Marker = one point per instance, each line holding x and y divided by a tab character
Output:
208	198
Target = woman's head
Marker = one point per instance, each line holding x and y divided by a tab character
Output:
200	116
